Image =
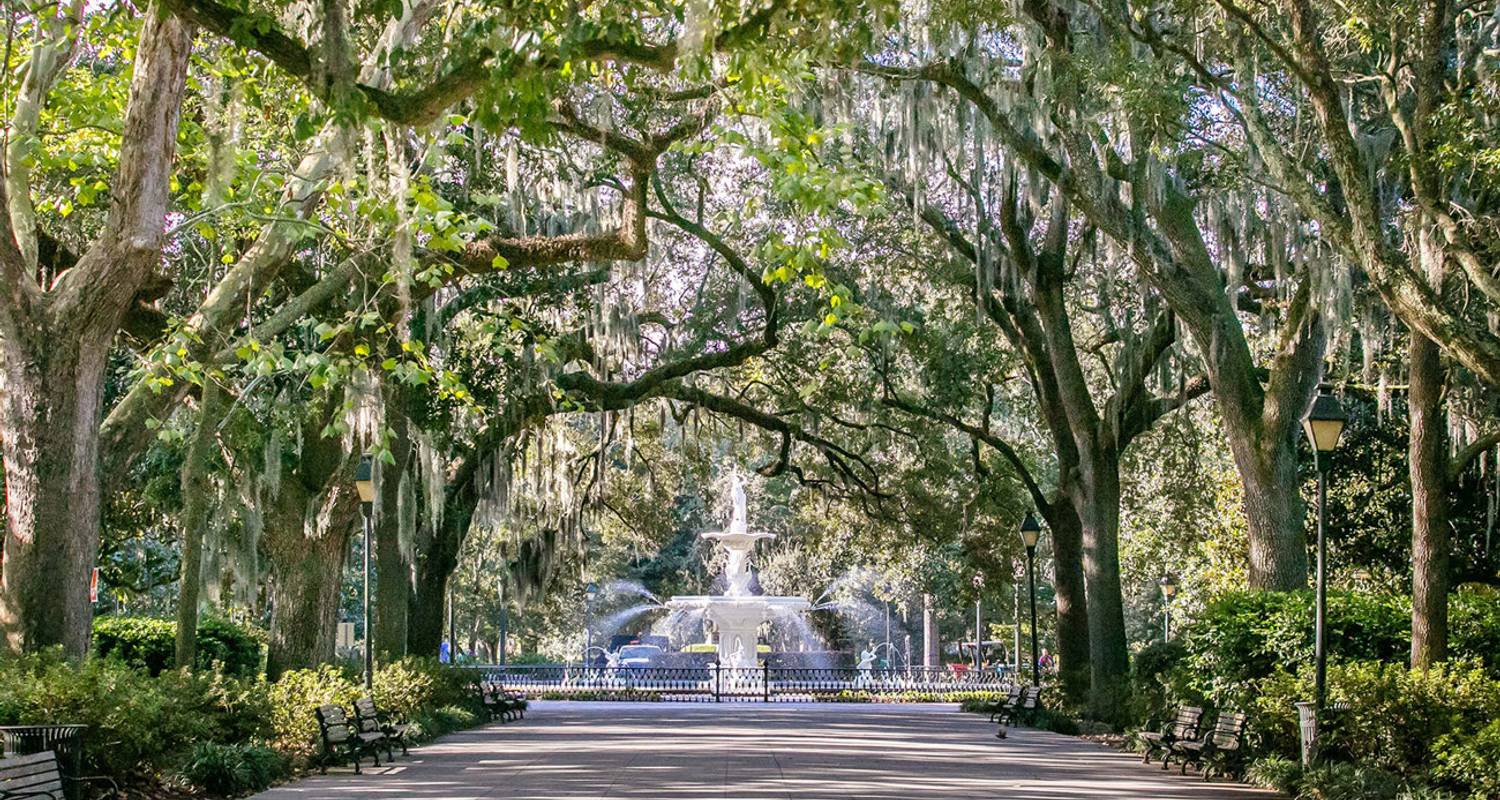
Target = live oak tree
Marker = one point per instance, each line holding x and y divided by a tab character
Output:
1118	165
57	328
52	447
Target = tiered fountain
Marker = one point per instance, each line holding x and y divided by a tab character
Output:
737	614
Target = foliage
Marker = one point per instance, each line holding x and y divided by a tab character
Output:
1466	757
1275	772
1344	781
430	723
410	688
1151	669
1403	721
149	643
1241	638
233	769
294	696
1253	652
405	687
138	725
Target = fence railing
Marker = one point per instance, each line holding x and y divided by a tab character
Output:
741	684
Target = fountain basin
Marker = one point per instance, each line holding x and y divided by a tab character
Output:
738	620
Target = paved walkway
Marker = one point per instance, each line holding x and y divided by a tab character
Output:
757	752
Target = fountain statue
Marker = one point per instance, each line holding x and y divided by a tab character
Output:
738	613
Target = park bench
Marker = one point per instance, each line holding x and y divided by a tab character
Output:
37	776
994	707
500	704
371	720
1011	699
1221	750
1184	727
342	741
1022	711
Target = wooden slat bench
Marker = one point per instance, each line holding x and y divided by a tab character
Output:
1184	727
36	776
1219	751
342	741
371	720
1024	710
500	704
1012	698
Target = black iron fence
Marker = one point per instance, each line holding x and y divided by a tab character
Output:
765	683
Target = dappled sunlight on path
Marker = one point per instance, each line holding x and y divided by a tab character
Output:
757	752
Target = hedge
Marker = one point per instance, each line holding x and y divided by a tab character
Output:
151	644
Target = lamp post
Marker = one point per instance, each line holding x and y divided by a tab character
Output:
364	481
589	593
1031	532
504	620
978	609
1168	586
1323	425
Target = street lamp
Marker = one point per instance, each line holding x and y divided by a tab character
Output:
504	618
364	481
1323	425
1168	586
589	593
978	607
1031	532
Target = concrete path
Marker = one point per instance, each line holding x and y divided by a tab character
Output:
757	752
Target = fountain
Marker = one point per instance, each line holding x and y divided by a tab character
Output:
738	614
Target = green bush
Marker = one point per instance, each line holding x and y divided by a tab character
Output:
1275	772
294	729
1341	781
1151	681
434	722
1242	637
1408	722
138	725
150	644
1474	626
1471	760
233	769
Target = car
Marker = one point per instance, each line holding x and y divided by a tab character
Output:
638	655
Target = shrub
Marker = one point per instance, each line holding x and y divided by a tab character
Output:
1474	626
1151	681
1243	637
1341	781
405	686
294	729
233	769
1471	761
150	644
1275	772
434	722
1400	720
138	725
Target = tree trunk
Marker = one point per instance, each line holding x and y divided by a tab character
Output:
1273	510
425	621
195	500
427	624
50	426
392	571
1099	511
1429	519
307	540
1073	638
